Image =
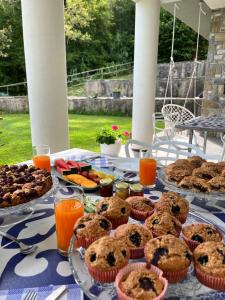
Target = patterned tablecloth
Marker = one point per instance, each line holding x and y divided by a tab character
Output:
46	268
211	123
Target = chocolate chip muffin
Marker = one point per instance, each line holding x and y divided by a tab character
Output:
91	227
135	237
195	234
170	254
105	257
196	161
209	261
217	184
140	284
114	209
141	207
174	204
163	223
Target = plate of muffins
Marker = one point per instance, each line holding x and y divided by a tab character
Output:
139	249
195	175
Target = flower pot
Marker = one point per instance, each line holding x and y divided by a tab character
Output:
111	149
116	95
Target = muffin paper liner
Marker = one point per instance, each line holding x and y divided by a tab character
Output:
140	215
175	276
139	266
86	242
193	244
104	276
216	283
118	222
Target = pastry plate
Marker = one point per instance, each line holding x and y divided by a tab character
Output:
189	288
15	214
129	164
212	197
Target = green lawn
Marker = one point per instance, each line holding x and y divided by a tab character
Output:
82	130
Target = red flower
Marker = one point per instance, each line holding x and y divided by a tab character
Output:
126	133
115	127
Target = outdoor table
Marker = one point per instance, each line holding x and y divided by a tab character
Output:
46	269
205	124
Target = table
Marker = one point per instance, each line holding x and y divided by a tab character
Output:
46	269
205	124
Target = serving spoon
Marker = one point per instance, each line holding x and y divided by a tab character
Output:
24	248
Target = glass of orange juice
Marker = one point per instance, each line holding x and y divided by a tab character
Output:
68	208
41	157
148	172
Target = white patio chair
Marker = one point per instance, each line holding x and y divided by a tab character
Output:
164	152
176	114
162	131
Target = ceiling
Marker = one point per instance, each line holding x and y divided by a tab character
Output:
215	4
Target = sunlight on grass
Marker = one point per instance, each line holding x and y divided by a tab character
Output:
16	135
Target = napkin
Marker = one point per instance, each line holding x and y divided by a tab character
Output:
73	292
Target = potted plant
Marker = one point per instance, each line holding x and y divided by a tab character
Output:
116	93
110	140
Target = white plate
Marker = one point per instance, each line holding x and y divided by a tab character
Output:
127	164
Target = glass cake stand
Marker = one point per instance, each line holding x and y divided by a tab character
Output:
15	214
213	202
189	288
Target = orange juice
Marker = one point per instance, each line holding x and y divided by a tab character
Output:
147	171
42	162
67	211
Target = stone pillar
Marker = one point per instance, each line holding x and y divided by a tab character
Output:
145	66
214	88
45	56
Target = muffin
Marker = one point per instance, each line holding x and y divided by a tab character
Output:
196	161
195	234
174	204
105	257
141	207
217	184
91	227
163	223
170	254
209	262
114	209
136	281
134	237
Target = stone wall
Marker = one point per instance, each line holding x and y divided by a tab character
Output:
88	105
181	74
214	88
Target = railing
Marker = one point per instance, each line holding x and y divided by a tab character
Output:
77	79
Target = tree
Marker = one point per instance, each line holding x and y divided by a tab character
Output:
12	63
185	40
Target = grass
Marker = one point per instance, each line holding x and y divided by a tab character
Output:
16	135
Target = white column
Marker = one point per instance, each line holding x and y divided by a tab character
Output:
45	56
145	66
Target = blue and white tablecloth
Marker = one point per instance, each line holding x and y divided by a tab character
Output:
46	268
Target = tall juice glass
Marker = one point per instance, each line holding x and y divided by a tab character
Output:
148	172
68	208
41	157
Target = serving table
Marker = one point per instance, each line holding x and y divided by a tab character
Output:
46	269
205	124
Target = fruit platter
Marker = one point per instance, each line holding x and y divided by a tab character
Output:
79	173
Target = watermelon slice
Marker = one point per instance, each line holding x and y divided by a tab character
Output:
84	166
63	171
73	165
61	163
